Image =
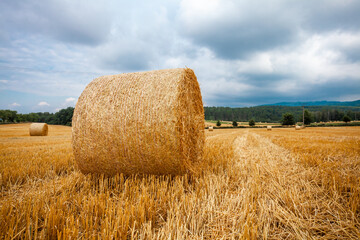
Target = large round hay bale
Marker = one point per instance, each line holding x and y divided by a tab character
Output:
269	128
211	128
297	127
38	129
140	123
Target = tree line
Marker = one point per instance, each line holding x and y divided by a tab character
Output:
258	114
62	117
289	119
275	113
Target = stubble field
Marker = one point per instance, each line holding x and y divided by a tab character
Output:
254	184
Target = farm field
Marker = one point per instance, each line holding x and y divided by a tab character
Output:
279	184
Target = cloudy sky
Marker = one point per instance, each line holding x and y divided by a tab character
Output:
244	53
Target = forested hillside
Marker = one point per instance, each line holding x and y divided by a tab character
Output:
274	113
318	103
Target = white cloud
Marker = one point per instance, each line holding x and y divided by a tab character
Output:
15	104
70	100
258	63
4	81
317	60
43	104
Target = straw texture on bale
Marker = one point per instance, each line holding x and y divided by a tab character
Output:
297	127
211	128
140	123
38	129
269	128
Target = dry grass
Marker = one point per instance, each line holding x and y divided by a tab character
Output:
25	158
279	184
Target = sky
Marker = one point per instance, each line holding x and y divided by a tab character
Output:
243	52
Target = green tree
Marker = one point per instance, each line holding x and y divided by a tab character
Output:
64	116
33	117
218	123
234	123
45	116
288	119
252	122
308	118
8	115
346	119
19	118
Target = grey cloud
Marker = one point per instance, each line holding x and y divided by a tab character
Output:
127	61
325	15
125	53
242	29
239	40
268	94
141	39
250	27
80	22
336	89
264	80
258	97
352	53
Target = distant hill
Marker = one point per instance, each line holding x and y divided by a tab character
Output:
317	103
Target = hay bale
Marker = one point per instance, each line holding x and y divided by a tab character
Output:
140	123
297	127
38	129
269	128
211	128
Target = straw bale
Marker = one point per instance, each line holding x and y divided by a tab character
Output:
140	123
211	128
38	129
269	128
297	127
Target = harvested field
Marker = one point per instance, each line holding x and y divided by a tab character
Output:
279	184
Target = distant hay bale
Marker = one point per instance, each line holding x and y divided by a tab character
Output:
297	127
211	128
140	123
269	128
38	129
